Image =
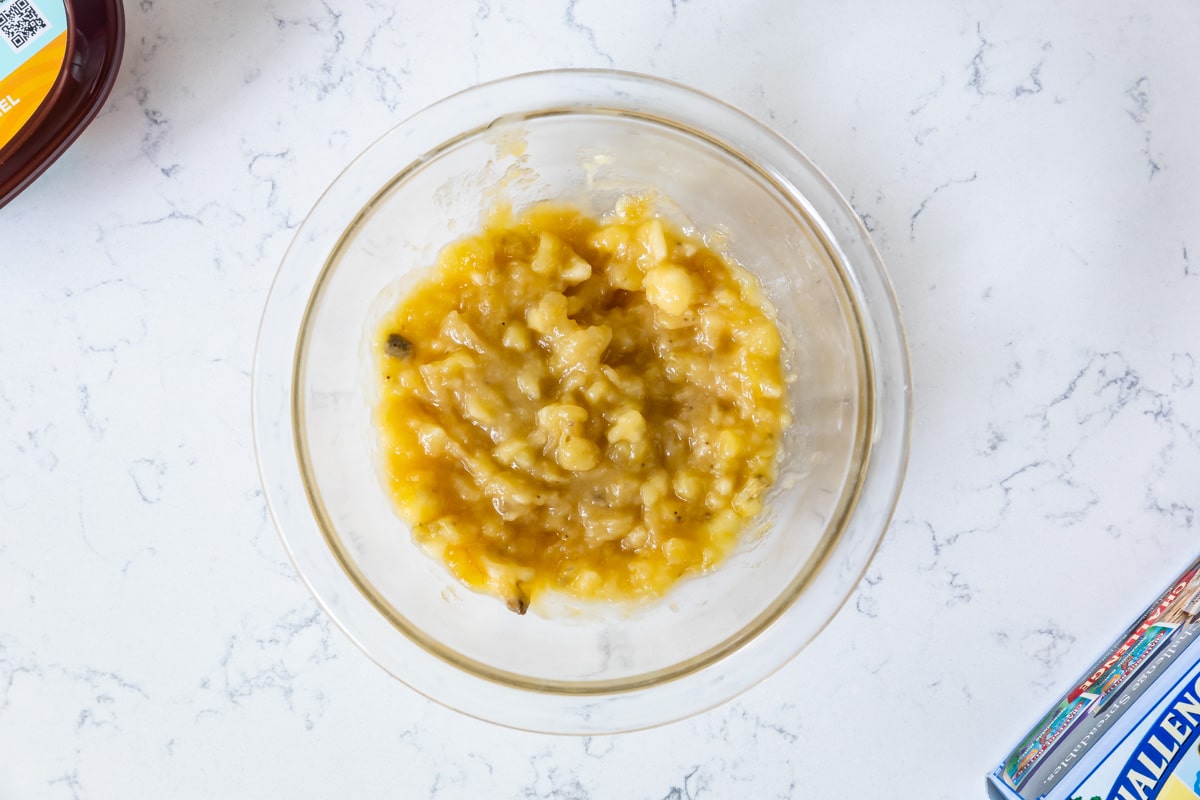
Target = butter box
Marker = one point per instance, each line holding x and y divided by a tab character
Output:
1129	728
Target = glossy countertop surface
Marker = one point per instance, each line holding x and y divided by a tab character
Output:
1029	172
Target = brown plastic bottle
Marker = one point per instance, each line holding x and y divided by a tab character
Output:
58	62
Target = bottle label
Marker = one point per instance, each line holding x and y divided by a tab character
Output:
33	52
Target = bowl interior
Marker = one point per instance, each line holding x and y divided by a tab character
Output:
589	158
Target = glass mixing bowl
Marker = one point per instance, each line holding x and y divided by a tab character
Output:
584	137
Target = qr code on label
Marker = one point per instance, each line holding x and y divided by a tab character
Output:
20	23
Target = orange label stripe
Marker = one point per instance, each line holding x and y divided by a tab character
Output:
22	92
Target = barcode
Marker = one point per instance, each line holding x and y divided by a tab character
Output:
20	23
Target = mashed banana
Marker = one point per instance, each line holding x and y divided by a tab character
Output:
591	406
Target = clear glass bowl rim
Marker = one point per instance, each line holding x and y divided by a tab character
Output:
641	706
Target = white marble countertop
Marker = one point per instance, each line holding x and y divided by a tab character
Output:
1029	171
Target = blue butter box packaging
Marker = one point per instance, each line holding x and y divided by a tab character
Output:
1129	728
